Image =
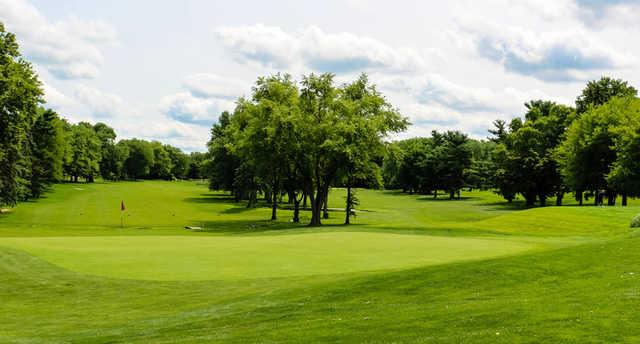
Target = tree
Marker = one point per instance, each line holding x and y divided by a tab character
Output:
107	137
598	92
223	164
161	167
48	144
624	175
180	162
267	140
319	120
140	158
478	175
196	169
524	160
454	158
113	160
20	95
587	154
85	153
368	119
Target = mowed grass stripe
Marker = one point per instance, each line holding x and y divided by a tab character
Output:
242	257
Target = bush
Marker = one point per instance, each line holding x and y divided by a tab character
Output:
636	221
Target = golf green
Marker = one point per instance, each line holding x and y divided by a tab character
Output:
240	257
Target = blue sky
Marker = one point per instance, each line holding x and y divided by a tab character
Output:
166	69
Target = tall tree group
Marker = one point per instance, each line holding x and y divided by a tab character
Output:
298	140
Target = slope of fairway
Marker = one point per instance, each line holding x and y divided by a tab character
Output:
223	258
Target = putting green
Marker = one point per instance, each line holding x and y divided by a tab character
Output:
225	258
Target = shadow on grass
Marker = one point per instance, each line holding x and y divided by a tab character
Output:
283	225
210	198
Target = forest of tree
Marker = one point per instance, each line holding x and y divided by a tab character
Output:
292	141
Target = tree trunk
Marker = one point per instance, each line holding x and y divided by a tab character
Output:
296	209
304	200
530	199
579	196
543	200
611	197
435	193
624	199
316	208
348	209
452	194
559	196
274	201
325	209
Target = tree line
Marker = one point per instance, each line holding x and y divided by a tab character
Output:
38	147
589	150
295	142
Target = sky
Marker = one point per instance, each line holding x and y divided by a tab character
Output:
165	70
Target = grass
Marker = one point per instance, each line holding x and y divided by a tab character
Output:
412	269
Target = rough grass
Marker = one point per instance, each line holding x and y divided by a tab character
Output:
580	283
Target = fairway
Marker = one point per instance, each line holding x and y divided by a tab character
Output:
223	258
461	270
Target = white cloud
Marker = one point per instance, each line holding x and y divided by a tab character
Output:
69	49
207	85
187	108
315	49
204	98
555	56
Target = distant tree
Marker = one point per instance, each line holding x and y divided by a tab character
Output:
587	155
598	92
107	137
179	162
524	160
624	175
20	95
161	167
113	160
454	158
140	159
391	165
48	144
196	169
223	164
85	153
478	175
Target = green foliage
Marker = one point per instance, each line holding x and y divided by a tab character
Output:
301	140
48	146
20	95
426	165
140	158
587	155
598	92
524	161
85	152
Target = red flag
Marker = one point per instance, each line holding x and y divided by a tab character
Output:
122	206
